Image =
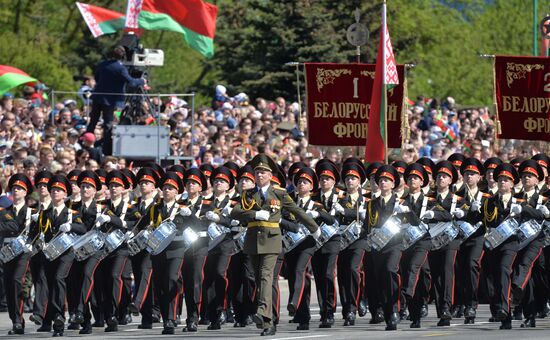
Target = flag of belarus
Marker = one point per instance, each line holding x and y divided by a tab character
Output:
11	77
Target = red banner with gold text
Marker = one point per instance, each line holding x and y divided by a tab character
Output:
338	102
522	86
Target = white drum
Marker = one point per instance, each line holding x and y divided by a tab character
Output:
139	242
501	233
114	240
442	234
545	234
292	240
528	231
350	233
58	246
161	237
466	229
327	232
413	233
379	237
14	248
88	244
217	233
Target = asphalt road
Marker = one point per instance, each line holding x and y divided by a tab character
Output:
287	331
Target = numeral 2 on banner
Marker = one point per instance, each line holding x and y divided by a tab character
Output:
546	79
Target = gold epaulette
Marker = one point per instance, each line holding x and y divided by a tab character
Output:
279	188
486	195
207	202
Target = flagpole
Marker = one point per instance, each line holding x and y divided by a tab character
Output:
384	84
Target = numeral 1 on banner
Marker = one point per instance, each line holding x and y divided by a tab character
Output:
356	87
547	80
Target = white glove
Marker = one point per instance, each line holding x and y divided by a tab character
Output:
362	214
103	218
34	217
458	213
515	209
262	215
65	227
400	209
338	208
185	212
227	210
476	206
212	216
129	234
316	234
427	215
312	213
235	223
544	210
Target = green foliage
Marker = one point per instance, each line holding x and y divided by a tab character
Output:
255	38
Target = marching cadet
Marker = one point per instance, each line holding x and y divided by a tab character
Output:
496	210
351	209
533	208
207	171
417	208
103	193
471	250
260	208
386	260
324	259
169	262
55	220
73	280
297	260
88	209
543	161
194	208
241	274
490	166
457	159
516	162
221	249
119	215
15	221
401	190
75	197
370	172
38	260
442	260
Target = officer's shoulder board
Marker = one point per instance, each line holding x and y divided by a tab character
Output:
74	211
341	194
486	195
278	188
520	200
317	204
206	202
431	199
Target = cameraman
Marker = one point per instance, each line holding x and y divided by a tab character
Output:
111	76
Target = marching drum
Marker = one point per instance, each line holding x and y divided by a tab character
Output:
350	233
413	233
88	244
442	234
189	236
139	242
327	232
161	237
240	241
467	229
114	240
379	237
501	233
58	245
546	234
16	247
217	233
291	240
527	232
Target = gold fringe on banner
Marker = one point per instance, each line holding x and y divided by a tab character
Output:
405	127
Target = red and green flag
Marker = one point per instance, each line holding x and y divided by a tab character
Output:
194	19
384	79
11	77
100	20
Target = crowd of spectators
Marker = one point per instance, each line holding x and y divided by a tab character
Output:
35	135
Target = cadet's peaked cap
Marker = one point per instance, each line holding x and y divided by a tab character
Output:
506	170
172	179
389	172
20	180
532	167
354	169
149	175
117	177
472	164
89	177
326	167
223	173
194	174
447	167
308	174
418	170
60	182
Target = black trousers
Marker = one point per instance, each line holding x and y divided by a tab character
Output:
216	283
500	262
526	259
40	282
14	280
57	272
414	284
241	286
442	266
74	281
541	289
324	272
193	276
386	270
87	280
126	296
142	267
166	277
349	278
107	111
299	282
111	269
468	270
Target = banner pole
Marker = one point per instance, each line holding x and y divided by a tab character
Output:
535	28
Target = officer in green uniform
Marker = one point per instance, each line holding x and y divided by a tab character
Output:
260	211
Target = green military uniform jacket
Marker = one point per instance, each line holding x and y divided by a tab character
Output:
264	237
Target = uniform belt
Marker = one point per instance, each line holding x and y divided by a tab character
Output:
263	224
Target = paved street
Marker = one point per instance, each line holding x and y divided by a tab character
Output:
287	331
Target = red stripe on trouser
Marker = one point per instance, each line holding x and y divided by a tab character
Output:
334	274
359	285
303	284
510	283
226	283
120	280
202	278
399	283
146	290
91	284
418	275
23	284
530	269
453	273
177	294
